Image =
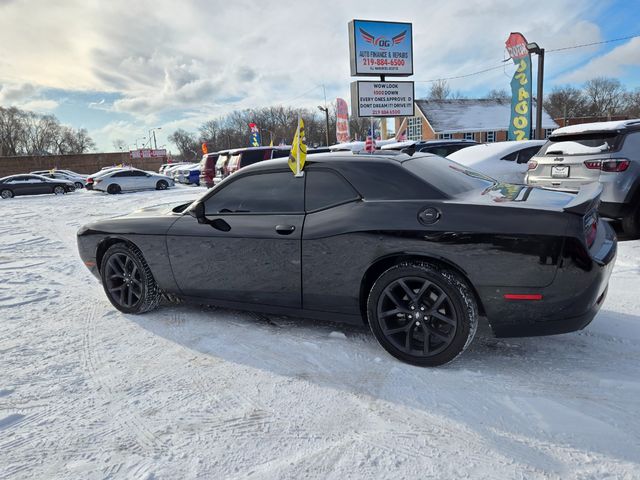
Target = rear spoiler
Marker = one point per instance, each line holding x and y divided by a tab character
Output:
586	199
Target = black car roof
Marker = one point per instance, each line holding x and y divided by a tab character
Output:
340	158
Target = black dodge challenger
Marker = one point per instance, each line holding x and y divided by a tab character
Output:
416	246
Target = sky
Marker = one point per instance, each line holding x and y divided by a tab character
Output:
120	68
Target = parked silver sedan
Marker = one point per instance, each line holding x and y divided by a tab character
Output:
131	179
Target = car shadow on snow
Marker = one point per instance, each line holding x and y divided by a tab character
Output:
516	393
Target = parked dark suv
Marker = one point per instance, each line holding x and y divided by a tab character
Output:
443	148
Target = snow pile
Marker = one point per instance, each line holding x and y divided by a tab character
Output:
575	148
594	127
194	392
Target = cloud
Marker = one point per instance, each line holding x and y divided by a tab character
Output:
27	97
611	64
182	63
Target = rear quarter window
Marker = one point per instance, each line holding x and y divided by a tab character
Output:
387	180
447	176
325	188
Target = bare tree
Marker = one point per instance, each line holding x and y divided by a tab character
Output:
186	143
120	144
566	102
439	90
605	96
499	94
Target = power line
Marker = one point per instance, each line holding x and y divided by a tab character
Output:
594	43
547	51
461	76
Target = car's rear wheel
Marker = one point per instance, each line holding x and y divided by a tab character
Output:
78	185
422	314
127	279
6	194
162	185
631	223
59	190
114	188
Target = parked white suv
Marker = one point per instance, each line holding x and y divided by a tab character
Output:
605	152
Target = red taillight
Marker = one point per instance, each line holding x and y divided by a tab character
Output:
523	296
592	164
533	164
89	180
590	228
615	165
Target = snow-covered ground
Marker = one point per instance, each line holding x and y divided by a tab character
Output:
193	392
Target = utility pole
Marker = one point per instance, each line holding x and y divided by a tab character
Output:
326	116
155	143
534	48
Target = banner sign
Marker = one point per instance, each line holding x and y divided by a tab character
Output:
520	124
255	140
342	121
382	99
381	48
147	153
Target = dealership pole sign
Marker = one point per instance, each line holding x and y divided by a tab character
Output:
381	48
520	124
382	99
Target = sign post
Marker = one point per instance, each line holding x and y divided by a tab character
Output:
382	49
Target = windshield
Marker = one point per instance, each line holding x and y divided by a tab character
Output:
449	177
582	144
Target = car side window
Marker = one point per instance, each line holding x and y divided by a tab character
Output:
525	155
270	192
326	188
136	173
119	174
510	157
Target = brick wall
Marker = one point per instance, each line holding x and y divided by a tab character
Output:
85	163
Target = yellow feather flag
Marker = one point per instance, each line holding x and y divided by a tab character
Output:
298	153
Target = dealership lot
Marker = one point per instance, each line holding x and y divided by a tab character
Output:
188	391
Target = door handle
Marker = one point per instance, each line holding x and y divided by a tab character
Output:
285	229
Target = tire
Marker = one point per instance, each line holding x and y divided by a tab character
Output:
114	189
6	194
162	185
631	223
78	185
431	304
59	190
127	279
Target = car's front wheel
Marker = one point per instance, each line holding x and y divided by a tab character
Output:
162	185
127	279
422	314
6	194
631	223
59	190
78	185
114	188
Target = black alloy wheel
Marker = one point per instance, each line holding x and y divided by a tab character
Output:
58	190
127	280
421	314
113	189
162	185
6	194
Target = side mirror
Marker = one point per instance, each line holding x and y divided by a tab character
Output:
197	211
